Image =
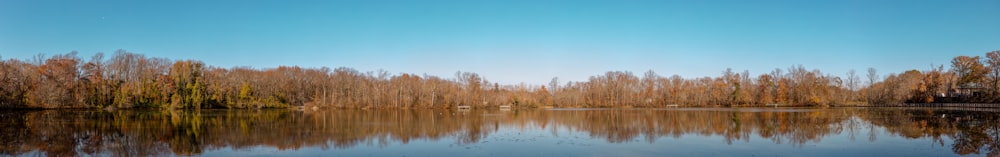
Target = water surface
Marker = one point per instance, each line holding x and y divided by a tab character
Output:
555	132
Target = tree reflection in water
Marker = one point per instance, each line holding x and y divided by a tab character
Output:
193	132
975	131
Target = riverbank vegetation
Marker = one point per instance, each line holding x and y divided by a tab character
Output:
127	80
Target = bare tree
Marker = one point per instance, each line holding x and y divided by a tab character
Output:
554	85
872	76
852	80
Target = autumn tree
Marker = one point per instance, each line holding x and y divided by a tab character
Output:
473	85
128	79
934	82
993	70
95	88
189	88
765	89
15	83
968	69
57	82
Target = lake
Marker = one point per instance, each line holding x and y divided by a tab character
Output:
491	132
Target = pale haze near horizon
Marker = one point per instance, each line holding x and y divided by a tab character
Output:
515	41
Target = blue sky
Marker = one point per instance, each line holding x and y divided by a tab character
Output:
514	41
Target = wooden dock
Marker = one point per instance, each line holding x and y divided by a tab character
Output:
965	105
465	107
505	108
673	105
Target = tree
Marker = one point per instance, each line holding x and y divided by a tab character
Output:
934	82
968	69
473	85
134	80
58	82
872	76
993	66
872	93
852	80
95	89
649	87
852	85
554	85
16	78
190	88
765	89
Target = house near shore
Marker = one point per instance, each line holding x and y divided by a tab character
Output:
968	90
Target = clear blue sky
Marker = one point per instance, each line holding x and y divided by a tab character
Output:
512	41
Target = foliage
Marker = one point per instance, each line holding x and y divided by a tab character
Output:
133	80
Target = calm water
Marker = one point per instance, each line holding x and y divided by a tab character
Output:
560	132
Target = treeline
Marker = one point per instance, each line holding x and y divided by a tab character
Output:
127	80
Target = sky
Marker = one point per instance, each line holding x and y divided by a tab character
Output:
514	41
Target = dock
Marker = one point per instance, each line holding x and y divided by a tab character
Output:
465	107
505	108
968	105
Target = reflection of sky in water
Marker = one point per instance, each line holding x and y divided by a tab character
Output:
562	140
